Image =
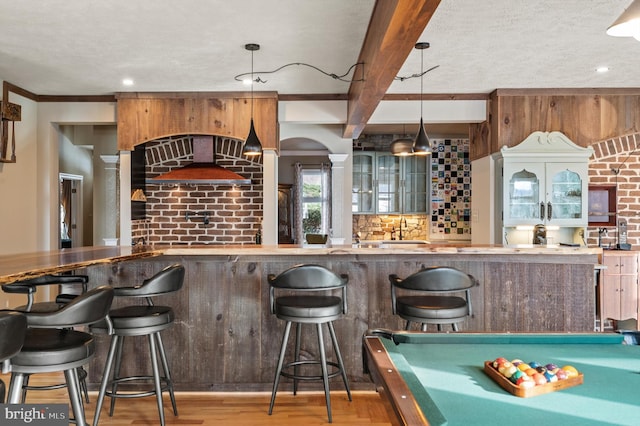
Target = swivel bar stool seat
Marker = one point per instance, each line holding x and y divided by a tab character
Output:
141	320
30	287
51	345
436	295
300	307
13	328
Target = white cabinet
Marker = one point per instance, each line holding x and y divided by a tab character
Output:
547	193
387	184
545	181
618	293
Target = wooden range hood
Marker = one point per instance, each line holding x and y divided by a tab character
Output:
143	117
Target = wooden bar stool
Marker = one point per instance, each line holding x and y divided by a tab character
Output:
299	307
141	320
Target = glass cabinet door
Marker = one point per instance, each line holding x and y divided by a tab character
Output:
362	192
416	194
523	197
388	184
564	193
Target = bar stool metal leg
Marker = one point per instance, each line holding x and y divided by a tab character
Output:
167	374
276	380
156	375
325	373
107	370
296	367
115	380
343	371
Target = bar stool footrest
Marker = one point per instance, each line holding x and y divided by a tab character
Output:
165	386
337	372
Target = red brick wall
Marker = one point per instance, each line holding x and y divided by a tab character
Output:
234	213
618	153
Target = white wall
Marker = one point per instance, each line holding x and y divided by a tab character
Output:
483	201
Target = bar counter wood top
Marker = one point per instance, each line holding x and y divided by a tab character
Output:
225	339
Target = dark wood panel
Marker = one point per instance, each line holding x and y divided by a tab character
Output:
225	338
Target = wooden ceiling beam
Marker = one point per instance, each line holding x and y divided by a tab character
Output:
394	29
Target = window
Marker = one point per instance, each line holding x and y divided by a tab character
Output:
316	201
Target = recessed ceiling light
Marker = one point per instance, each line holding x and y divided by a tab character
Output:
127	82
602	69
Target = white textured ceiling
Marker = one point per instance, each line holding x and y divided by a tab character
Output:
86	47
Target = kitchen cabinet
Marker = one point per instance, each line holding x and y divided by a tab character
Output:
388	184
544	180
618	289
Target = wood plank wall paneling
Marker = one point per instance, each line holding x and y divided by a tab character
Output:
585	116
225	339
144	117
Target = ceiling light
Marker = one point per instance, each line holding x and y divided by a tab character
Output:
252	145
627	24
127	82
421	145
402	147
602	69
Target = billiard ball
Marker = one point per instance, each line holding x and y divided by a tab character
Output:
539	379
540	369
503	366
523	367
551	366
516	375
509	370
525	383
550	376
530	372
498	361
570	370
516	362
561	374
534	364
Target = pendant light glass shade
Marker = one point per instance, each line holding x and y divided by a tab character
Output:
628	24
252	145
421	144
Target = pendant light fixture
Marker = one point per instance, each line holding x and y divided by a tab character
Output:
421	144
628	24
403	146
252	145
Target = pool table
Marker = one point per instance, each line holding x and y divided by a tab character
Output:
438	378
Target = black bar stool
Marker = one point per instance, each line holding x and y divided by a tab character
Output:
52	345
308	309
437	295
71	286
141	320
13	327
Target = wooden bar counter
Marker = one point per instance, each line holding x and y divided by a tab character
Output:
225	339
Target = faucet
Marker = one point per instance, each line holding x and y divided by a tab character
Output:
405	225
601	231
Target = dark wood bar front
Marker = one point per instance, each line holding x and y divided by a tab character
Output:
225	338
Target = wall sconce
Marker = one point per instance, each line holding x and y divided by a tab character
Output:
628	24
138	195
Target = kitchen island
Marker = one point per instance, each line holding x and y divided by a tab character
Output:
225	339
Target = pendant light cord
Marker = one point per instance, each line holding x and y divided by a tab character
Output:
421	80
252	85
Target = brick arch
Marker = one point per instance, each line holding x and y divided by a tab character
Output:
618	153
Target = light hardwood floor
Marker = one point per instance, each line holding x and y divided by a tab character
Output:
234	408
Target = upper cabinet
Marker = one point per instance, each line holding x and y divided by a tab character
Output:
545	181
387	184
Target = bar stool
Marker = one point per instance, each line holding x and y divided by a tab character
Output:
13	327
437	303
51	345
29	287
141	320
308	309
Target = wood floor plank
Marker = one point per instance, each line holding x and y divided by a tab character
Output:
228	408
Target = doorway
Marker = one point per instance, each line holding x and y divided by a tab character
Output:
70	216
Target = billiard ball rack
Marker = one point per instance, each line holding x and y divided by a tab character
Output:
522	392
